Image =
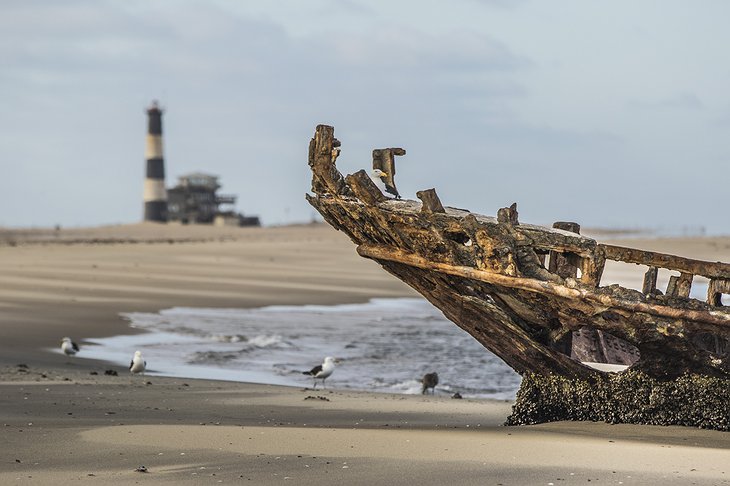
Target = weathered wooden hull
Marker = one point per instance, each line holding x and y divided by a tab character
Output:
529	294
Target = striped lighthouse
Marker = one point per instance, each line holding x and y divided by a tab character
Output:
155	195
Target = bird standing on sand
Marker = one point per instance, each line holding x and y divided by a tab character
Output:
138	364
69	347
429	380
322	371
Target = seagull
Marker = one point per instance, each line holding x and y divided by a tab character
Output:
138	363
69	347
384	167
322	371
430	380
381	180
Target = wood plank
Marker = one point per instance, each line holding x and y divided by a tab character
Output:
650	281
377	252
665	260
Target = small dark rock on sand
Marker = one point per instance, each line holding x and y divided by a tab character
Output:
457	396
318	397
111	373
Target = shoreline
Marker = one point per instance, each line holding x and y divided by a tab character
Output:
275	344
72	425
59	289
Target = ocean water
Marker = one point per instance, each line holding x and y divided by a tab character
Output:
385	345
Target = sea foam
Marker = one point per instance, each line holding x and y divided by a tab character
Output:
384	345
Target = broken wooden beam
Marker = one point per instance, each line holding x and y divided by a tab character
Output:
508	215
377	252
430	201
323	151
680	285
650	277
364	188
592	268
567	226
565	263
670	262
715	289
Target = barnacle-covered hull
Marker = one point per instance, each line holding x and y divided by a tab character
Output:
530	294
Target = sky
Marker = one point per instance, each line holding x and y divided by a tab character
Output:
609	113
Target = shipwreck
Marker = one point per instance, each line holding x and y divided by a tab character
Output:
532	295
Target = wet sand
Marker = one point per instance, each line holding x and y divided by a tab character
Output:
64	421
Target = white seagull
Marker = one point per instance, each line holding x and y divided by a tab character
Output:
69	347
322	371
138	363
380	179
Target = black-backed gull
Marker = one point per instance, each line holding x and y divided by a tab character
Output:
69	347
138	364
322	371
384	182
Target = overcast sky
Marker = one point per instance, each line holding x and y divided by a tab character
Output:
609	113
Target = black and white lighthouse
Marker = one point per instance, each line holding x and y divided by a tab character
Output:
155	195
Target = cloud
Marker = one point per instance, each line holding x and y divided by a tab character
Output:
242	96
501	3
244	88
682	101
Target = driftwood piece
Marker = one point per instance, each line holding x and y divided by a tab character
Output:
508	215
649	286
323	152
680	285
664	260
431	202
565	264
715	289
364	188
491	278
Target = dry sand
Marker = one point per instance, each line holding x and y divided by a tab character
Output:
61	424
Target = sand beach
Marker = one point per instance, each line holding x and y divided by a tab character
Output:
64	421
